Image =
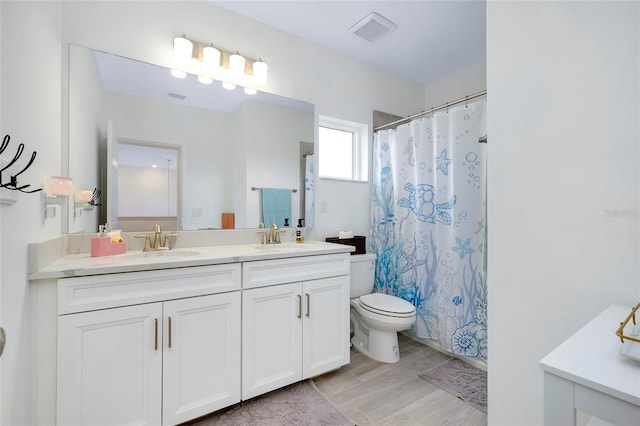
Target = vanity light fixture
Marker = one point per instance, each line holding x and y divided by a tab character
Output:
228	86
82	201
84	195
56	192
250	91
207	61
60	186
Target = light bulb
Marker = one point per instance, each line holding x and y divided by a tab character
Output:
178	74
250	91
260	72
228	86
211	58
204	79
236	64
182	50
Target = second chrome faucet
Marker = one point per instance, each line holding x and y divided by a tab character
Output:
272	236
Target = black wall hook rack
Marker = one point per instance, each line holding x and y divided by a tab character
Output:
13	178
94	199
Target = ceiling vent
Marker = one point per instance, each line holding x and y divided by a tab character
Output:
372	27
177	96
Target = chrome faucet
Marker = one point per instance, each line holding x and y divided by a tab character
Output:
156	240
274	234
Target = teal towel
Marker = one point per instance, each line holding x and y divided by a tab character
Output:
276	206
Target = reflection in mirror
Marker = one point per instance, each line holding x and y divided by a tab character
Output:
148	189
227	142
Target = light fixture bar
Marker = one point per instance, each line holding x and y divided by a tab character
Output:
198	53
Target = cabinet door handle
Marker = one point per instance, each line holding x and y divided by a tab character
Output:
299	306
155	345
169	331
308	304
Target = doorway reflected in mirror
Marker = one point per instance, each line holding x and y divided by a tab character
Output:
148	188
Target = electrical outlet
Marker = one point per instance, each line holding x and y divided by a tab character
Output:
323	206
196	212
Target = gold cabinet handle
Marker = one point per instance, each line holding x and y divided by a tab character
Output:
169	331
155	346
308	304
299	306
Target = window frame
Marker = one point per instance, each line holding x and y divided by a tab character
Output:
359	147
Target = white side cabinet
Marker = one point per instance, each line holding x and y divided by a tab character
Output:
158	362
295	320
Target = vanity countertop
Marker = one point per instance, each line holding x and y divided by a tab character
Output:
75	265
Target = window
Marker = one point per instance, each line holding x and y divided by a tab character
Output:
343	150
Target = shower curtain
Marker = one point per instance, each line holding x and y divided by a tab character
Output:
309	183
428	224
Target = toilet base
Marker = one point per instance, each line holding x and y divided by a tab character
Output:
381	346
376	344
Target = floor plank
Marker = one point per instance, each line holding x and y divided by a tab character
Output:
375	393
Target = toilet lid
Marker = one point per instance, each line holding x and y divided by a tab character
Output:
385	304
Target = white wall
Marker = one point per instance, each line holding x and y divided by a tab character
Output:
467	81
31	114
143	191
563	179
31	111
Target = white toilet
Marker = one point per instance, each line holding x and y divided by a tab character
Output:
376	318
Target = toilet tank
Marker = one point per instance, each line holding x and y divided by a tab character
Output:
363	268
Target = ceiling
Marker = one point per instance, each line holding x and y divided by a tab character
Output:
433	39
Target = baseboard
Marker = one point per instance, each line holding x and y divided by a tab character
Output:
475	362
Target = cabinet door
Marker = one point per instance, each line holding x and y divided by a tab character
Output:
109	367
201	356
326	325
271	338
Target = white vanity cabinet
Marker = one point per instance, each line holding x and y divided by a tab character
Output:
153	347
295	321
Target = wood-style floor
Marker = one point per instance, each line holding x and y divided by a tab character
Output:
375	393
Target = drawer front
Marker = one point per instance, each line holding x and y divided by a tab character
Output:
89	293
279	271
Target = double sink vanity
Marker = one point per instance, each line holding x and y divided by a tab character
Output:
163	337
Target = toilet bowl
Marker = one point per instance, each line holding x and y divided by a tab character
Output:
376	318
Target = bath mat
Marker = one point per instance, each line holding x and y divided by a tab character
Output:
297	404
461	380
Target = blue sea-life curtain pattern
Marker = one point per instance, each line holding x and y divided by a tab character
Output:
428	224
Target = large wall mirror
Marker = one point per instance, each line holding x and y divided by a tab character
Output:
161	147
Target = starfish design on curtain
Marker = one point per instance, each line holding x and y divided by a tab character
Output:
462	247
442	162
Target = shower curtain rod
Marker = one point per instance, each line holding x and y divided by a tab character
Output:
429	111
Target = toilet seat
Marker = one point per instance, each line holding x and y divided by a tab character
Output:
384	304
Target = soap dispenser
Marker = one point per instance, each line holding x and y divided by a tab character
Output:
300	232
